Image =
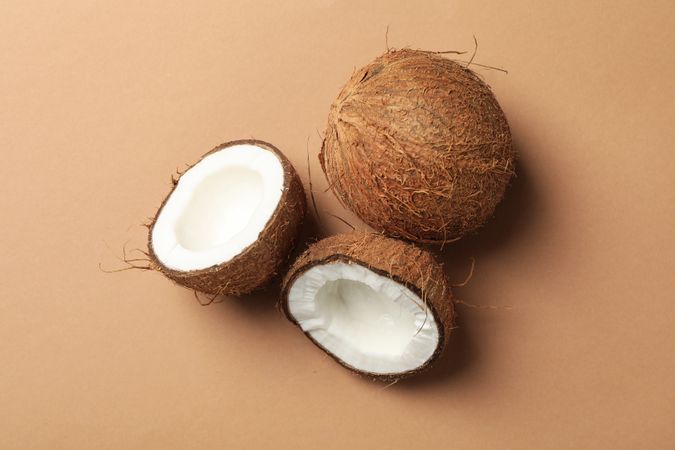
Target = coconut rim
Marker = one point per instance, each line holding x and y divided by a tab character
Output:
288	174
340	257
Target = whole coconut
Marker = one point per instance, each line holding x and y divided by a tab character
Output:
418	147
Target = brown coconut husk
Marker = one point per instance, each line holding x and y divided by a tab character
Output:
418	147
404	263
258	263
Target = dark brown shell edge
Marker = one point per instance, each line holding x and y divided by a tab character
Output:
403	262
374	157
261	261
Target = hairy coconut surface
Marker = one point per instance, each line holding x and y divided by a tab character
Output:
258	262
418	147
388	266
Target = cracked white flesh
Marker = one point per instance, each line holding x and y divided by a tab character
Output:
367	320
218	208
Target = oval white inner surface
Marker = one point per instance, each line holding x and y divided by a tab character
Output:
218	208
367	320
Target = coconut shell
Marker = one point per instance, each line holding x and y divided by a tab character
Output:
258	263
418	147
405	263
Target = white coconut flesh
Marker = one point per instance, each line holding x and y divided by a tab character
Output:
218	207
369	321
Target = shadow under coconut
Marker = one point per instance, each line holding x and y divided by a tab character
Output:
512	221
459	355
513	218
261	302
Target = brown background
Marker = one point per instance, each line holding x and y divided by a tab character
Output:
102	101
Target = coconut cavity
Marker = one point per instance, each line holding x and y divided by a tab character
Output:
418	147
230	221
366	320
218	207
378	306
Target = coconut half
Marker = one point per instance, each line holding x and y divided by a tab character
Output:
379	306
231	220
